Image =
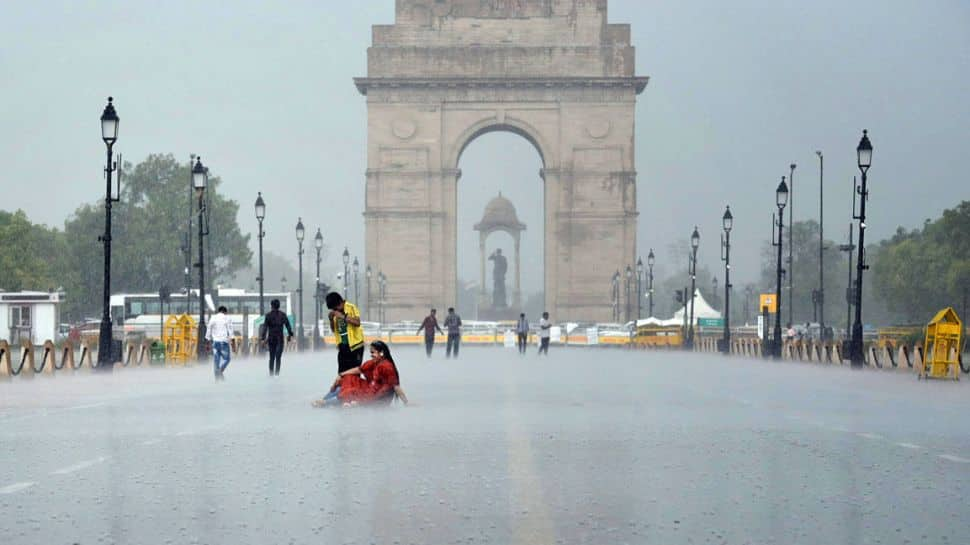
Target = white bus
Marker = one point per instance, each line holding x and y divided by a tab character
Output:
143	312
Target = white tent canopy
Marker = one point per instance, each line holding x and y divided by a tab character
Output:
702	309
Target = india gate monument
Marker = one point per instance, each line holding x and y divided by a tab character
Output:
554	72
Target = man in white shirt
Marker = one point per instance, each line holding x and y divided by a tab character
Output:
218	333
545	330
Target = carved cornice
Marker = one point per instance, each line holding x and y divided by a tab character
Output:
637	83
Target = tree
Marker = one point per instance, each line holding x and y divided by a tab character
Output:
805	268
918	272
149	226
32	254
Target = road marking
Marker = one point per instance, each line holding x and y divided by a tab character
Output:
16	487
88	406
953	458
151	442
78	466
909	446
873	436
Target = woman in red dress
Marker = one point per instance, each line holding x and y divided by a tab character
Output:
375	382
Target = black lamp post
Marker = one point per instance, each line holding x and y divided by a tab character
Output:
356	267
283	284
791	244
727	223
367	275
781	199
260	215
848	248
821	245
629	283
864	155
200	177
650	262
109	133
346	258
300	233
318	244
639	288
615	283
382	292
695	241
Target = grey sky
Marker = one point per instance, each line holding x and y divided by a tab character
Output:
263	91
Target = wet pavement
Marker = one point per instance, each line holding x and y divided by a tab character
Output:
587	446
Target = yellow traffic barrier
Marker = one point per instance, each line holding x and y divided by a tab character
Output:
944	338
180	337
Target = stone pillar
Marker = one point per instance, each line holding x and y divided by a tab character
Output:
517	296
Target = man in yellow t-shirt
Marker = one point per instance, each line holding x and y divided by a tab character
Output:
347	333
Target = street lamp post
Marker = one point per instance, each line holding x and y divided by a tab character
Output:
109	133
615	284
650	261
356	268
695	240
821	244
781	199
791	245
346	258
629	282
864	156
848	248
260	215
318	244
200	177
639	288
381	292
367	275
727	223
300	233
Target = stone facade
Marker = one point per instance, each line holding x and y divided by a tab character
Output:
552	71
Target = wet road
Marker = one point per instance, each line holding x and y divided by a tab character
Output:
588	446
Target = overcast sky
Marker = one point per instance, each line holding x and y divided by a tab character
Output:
263	91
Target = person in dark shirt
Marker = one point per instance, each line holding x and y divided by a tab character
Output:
272	335
430	324
453	325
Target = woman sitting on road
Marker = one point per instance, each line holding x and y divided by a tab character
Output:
375	382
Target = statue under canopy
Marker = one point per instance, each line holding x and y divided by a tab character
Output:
500	216
499	300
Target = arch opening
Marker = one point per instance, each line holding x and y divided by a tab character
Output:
500	167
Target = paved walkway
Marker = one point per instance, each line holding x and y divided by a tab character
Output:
587	446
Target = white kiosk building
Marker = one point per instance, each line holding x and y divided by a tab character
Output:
29	316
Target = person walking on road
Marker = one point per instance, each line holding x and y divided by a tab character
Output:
218	333
545	330
522	333
271	335
347	333
453	325
429	325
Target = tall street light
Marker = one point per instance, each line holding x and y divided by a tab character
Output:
864	156
367	275
346	258
382	292
650	262
200	177
639	288
260	215
318	244
629	283
300	233
109	133
727	223
695	241
781	199
615	283
821	244
356	268
848	248
791	245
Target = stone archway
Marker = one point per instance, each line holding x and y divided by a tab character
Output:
552	71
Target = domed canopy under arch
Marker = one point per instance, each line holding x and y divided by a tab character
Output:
500	215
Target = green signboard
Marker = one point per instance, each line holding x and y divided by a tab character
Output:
710	322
